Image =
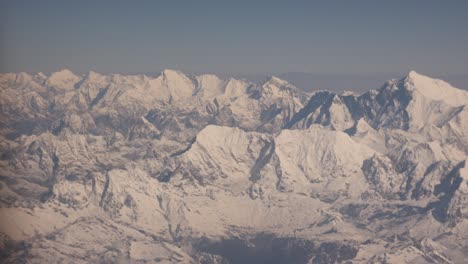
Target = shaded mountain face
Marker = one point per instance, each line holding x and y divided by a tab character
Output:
199	169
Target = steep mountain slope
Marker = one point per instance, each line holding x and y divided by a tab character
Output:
196	169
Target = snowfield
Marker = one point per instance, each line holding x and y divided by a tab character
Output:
196	169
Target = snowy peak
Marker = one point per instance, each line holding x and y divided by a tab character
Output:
319	156
63	80
275	87
224	151
173	75
41	77
273	80
414	75
171	85
154	156
435	89
94	76
235	88
23	77
62	74
409	103
328	109
209	85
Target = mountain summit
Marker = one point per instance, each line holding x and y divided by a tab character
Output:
435	89
178	168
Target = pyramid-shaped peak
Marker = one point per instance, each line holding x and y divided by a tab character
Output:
175	77
92	74
276	80
23	76
414	74
95	77
435	89
170	73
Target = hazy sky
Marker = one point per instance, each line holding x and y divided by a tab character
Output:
322	37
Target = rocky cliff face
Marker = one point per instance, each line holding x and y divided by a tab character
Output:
196	169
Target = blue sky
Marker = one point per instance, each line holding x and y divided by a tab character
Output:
259	37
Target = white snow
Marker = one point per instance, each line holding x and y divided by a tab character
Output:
435	89
171	85
135	168
209	86
63	79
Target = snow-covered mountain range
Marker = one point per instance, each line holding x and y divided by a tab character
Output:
198	169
